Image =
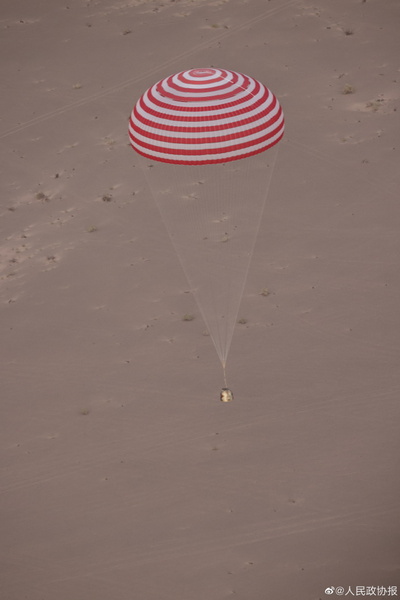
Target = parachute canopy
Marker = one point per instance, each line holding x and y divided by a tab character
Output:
205	116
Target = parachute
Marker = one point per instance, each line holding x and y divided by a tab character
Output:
202	136
205	116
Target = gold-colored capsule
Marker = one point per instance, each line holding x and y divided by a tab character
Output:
226	395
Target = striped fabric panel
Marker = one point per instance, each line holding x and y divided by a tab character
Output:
204	116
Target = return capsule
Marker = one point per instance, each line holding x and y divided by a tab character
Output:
226	395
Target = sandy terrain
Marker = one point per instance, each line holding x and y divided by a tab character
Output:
122	475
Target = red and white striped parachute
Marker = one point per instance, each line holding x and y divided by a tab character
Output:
205	116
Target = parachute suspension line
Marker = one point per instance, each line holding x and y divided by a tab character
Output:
208	219
251	253
224	370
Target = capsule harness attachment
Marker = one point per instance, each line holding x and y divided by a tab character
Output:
226	395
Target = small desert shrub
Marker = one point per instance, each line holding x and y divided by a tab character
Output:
188	317
242	321
374	106
41	196
348	89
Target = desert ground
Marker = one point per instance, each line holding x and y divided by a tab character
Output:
123	477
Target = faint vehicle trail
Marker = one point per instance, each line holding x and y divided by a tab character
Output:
173	549
390	187
58	111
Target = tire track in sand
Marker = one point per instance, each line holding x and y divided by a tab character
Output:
116	88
